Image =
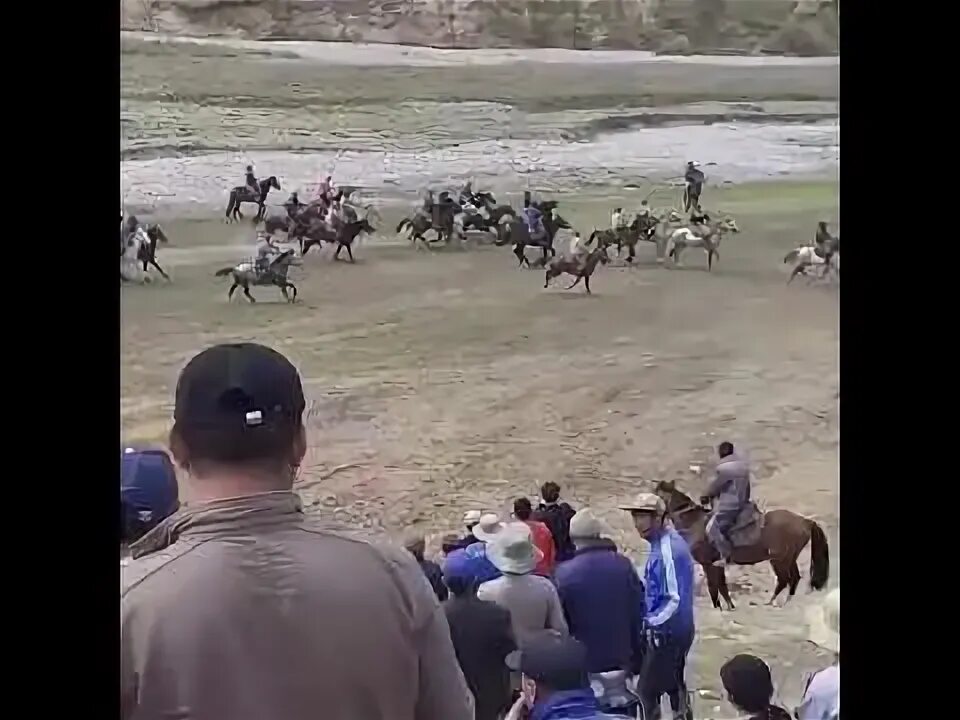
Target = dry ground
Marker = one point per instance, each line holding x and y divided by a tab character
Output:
451	380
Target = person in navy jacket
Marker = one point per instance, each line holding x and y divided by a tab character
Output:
668	580
602	597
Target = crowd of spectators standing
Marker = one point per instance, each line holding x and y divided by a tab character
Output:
239	605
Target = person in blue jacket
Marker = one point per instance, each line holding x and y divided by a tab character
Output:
602	597
148	492
668	620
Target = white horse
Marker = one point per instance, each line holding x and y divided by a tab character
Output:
129	266
806	257
683	238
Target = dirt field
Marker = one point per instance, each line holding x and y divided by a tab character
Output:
450	380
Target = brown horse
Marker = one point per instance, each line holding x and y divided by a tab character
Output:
783	536
561	265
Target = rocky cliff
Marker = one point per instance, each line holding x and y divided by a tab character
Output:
807	27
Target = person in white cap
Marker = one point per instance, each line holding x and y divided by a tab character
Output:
531	599
821	698
668	599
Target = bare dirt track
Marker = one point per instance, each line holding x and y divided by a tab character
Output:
450	380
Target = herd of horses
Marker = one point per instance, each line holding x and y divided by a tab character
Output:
309	225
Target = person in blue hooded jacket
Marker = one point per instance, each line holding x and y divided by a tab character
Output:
668	580
602	597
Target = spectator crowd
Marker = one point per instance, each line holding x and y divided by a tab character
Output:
238	605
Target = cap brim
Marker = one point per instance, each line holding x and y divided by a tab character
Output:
512	660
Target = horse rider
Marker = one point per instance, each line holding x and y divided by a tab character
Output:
466	193
325	189
694	179
825	245
731	492
266	252
251	182
617	219
533	218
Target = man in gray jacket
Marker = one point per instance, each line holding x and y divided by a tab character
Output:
730	493
241	607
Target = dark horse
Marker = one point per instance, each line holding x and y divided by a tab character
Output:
580	271
783	536
241	194
343	236
826	245
517	232
439	219
245	274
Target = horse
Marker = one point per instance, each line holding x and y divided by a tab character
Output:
495	213
683	238
245	274
807	256
141	247
781	538
241	194
643	227
344	236
518	233
561	265
421	222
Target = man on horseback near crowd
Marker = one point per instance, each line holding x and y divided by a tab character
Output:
253	187
731	491
825	244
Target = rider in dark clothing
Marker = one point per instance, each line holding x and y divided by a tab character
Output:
694	179
251	181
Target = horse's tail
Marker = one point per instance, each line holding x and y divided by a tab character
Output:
819	557
224	272
404	223
791	256
232	203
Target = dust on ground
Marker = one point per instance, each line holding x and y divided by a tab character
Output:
450	380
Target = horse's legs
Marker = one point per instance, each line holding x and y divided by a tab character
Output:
159	269
246	291
713	583
586	281
294	288
783	578
546	280
794	579
283	291
575	282
350	253
632	254
544	251
232	288
798	270
724	591
336	255
709	259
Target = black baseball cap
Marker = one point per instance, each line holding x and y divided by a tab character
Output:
556	660
243	391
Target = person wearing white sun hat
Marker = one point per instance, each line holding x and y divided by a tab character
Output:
486	529
821	699
532	600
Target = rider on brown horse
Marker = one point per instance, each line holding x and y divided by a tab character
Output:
731	490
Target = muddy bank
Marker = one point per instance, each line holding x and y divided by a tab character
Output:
191	120
672	26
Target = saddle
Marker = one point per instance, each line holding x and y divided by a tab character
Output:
747	527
